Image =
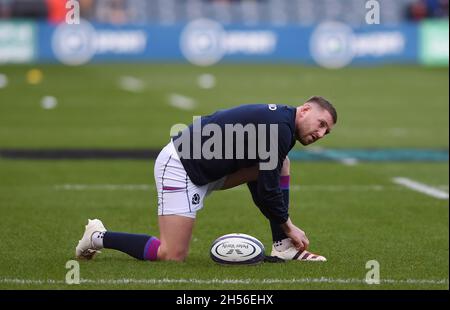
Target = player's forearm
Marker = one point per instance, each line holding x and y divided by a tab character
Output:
271	204
287	226
275	216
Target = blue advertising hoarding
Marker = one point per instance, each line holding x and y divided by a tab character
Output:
206	42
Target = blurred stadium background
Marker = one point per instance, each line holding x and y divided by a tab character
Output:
84	109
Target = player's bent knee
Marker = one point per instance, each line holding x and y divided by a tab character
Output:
285	170
176	256
172	255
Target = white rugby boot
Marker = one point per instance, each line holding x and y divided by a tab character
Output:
284	249
85	248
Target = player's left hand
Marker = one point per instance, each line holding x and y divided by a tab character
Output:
301	242
298	236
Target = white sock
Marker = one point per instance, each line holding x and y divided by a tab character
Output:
97	239
282	245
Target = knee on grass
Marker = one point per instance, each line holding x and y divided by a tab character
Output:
172	255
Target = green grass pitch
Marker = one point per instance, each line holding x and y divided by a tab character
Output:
352	214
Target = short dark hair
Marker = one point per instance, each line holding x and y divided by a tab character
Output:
325	104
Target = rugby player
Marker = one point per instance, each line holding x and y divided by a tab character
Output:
245	144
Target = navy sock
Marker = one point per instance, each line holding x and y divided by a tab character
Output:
142	247
277	232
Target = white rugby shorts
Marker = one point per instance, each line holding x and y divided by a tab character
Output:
177	195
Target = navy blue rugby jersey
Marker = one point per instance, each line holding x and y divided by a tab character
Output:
221	143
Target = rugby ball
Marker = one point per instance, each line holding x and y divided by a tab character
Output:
237	249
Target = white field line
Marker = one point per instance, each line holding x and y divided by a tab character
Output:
131	84
420	187
105	187
226	281
294	187
147	187
348	161
182	102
